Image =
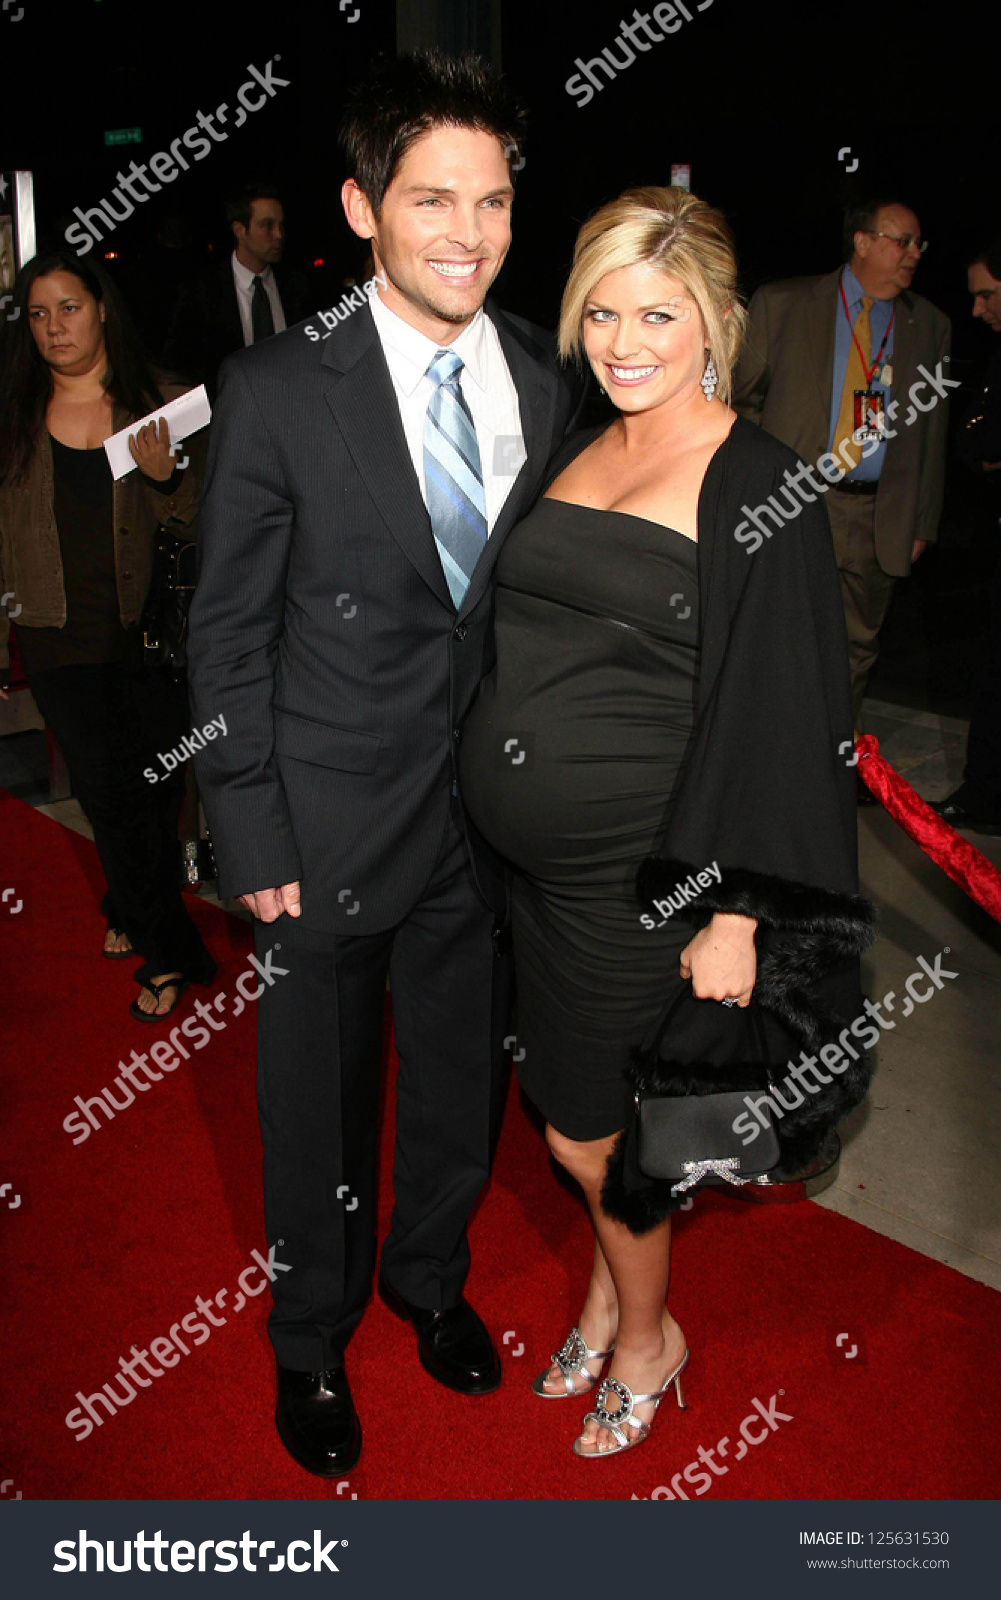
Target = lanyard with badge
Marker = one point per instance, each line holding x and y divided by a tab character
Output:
869	410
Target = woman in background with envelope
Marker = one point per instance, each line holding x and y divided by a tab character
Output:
76	549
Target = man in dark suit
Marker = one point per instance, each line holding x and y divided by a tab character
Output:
359	487
976	803
828	366
243	300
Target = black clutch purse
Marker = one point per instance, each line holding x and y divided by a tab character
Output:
163	625
687	1135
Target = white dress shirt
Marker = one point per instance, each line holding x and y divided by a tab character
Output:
487	388
243	278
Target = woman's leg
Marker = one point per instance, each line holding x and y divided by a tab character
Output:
93	717
648	1342
598	1323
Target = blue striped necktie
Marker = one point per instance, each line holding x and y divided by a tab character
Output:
452	477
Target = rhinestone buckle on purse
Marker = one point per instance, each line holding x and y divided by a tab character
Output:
725	1167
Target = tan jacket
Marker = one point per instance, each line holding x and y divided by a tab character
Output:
783	382
31	566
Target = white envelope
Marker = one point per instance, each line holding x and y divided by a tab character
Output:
185	415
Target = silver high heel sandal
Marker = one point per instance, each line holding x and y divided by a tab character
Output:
617	1421
570	1360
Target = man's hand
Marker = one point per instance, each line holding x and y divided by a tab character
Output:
268	904
918	548
150	450
721	960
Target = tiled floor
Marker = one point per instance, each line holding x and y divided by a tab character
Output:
922	1157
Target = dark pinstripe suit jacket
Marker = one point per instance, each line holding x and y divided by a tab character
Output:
323	631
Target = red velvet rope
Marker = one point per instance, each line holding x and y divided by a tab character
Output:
964	864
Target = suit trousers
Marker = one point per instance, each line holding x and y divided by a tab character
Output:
866	589
320	1032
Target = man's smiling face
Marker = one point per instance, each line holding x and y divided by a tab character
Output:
443	230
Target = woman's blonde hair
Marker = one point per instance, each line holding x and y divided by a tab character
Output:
679	234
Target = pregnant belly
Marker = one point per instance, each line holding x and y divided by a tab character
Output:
572	786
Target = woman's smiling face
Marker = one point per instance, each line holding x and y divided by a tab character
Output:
644	337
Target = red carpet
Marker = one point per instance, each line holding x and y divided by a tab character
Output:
114	1238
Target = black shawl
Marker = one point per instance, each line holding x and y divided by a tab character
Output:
766	789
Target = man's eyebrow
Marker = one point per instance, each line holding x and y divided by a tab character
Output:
431	188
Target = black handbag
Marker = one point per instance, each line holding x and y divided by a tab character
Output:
686	1136
163	625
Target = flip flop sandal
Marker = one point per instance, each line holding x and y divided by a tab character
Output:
156	990
117	955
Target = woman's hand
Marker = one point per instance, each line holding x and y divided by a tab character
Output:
151	450
721	960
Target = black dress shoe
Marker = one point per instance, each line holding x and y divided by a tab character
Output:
957	816
317	1421
453	1345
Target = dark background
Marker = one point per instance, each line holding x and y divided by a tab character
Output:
758	97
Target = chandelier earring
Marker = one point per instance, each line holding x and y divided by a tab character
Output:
710	378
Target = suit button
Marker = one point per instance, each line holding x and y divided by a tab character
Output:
126	574
460	631
456	734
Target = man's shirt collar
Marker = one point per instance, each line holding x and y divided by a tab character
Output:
409	352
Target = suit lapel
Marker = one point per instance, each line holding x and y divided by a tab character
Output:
229	309
363	403
536	384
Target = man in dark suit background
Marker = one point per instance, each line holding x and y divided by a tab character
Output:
976	803
813	344
244	299
359	488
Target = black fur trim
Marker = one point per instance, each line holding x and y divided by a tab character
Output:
816	1110
804	934
641	1203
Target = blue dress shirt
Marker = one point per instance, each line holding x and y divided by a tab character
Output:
880	312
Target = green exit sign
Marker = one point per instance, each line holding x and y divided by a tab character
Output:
123	136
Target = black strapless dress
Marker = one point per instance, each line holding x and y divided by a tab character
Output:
568	761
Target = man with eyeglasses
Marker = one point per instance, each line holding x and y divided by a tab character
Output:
827	367
976	804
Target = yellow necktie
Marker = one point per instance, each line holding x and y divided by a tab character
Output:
855	378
